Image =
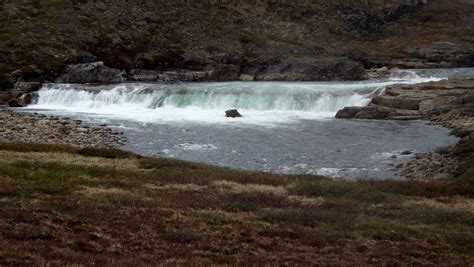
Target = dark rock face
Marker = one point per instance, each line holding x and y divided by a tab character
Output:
454	53
232	113
86	57
309	70
27	86
364	24
95	72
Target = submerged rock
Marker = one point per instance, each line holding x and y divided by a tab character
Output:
232	113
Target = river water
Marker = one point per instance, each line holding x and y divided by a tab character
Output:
287	127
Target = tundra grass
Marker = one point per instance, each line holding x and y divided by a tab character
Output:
66	206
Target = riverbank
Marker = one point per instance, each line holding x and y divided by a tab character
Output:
36	128
60	205
449	103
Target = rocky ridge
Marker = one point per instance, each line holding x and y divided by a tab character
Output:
35	128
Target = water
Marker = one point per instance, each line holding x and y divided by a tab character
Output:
286	127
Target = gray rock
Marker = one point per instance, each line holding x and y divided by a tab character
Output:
95	72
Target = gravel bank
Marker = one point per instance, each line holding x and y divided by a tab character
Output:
37	128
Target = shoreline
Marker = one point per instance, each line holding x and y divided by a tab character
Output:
22	127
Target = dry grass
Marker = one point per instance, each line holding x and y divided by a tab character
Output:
63	206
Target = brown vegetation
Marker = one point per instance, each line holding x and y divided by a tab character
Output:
61	205
39	37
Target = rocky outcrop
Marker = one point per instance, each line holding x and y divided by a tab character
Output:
27	87
95	72
443	54
305	70
232	113
417	101
33	128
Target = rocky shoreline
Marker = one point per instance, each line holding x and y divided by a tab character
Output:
449	103
37	128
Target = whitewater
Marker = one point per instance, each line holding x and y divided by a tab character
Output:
262	103
287	127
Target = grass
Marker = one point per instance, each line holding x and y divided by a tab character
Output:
69	206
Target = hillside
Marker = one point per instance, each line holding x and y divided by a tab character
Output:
37	38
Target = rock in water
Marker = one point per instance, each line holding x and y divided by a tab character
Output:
232	113
348	112
22	101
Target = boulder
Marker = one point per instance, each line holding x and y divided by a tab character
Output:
232	113
95	72
348	112
374	113
23	100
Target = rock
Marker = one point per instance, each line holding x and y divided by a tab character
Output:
246	77
457	55
232	113
415	101
23	100
143	75
30	128
374	113
400	102
95	72
380	73
5	96
406	152
27	86
312	70
85	57
348	112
